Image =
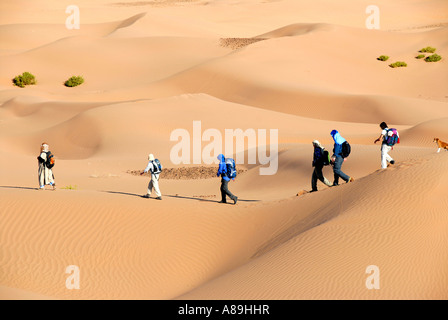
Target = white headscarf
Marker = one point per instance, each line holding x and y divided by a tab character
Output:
317	143
45	147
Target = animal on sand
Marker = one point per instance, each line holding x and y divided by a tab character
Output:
441	144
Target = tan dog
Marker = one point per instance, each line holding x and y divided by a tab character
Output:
441	144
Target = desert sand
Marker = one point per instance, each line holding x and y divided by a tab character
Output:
300	67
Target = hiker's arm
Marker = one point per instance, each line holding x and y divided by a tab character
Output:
379	139
221	169
147	168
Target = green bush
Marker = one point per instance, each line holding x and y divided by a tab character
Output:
70	187
74	81
398	64
433	58
24	79
428	49
420	56
383	58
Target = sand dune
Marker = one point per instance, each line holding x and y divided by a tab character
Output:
152	67
352	227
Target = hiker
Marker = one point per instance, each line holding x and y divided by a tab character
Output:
222	171
46	163
320	159
338	158
385	146
155	170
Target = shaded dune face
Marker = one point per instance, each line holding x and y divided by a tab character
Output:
153	67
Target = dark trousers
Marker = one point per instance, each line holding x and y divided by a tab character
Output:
318	175
225	190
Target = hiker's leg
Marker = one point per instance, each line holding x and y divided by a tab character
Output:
155	184
225	189
50	177
223	192
314	180
321	177
335	177
337	170
149	188
438	150
385	157
41	177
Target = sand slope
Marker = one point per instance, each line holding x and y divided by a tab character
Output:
150	68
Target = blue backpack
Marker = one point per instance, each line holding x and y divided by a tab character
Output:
231	169
392	137
157	166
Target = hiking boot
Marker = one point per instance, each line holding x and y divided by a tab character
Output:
222	201
392	162
350	180
146	196
314	190
159	198
235	200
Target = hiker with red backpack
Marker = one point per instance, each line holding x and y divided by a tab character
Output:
227	172
389	138
46	164
155	167
341	151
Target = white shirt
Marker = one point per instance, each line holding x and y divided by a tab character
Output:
149	167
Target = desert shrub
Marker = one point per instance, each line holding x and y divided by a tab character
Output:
420	56
24	79
383	58
428	49
398	64
74	81
433	58
70	187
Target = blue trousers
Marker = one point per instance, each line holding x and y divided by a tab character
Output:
338	172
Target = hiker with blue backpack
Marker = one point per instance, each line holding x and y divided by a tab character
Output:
227	172
389	138
321	158
154	166
341	151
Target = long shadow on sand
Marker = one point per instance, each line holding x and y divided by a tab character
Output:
15	187
125	193
206	200
175	196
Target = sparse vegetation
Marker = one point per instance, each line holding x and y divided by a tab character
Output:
420	56
383	58
428	49
433	58
70	187
74	81
398	64
24	79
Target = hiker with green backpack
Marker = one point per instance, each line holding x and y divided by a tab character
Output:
155	167
321	158
227	172
46	164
